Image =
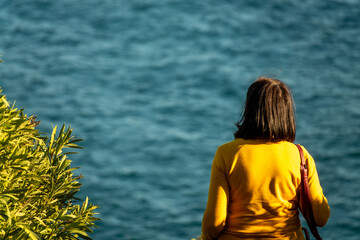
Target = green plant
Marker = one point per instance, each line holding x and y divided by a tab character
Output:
37	183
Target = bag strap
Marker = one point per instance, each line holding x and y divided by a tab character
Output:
307	236
305	196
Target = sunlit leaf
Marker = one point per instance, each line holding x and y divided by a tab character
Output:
37	184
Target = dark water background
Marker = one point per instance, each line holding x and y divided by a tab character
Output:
155	86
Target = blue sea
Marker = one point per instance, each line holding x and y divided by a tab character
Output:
154	87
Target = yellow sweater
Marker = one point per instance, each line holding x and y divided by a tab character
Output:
253	192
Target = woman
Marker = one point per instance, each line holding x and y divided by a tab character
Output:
254	183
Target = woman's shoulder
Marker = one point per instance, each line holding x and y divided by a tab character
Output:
242	141
232	144
239	143
306	153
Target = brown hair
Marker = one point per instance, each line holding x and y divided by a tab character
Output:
268	113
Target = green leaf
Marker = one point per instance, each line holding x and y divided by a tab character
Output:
31	234
37	182
52	138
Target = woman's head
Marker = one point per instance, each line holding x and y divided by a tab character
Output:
268	113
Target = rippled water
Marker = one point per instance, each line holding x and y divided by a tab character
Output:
155	86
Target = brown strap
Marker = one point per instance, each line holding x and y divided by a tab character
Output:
303	163
307	236
305	197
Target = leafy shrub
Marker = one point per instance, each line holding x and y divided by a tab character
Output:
37	184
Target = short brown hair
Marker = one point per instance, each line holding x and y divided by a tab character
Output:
268	113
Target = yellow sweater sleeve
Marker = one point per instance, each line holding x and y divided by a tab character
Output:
216	208
319	203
